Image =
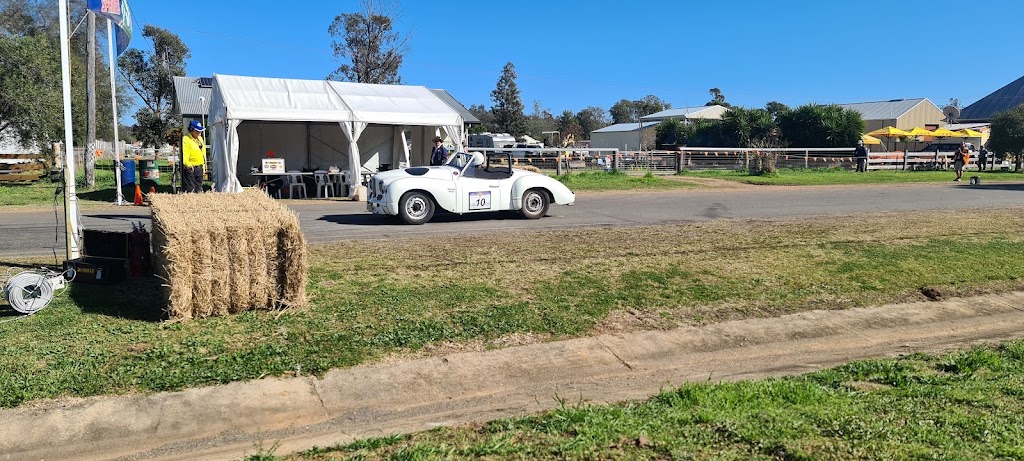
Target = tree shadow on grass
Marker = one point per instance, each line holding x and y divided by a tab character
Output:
134	299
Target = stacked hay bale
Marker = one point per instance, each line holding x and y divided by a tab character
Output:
226	253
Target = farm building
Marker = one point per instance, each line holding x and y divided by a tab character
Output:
905	114
1007	97
623	136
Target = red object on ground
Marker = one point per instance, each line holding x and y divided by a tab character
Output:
138	195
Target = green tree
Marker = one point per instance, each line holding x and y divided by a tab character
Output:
670	133
31	99
508	104
1007	135
486	119
626	111
539	121
743	127
30	88
151	76
776	108
813	125
368	42
567	124
590	119
717	98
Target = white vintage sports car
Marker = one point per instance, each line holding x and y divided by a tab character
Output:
467	183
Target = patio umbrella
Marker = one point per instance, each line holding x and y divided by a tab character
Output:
889	132
944	133
918	131
969	133
868	139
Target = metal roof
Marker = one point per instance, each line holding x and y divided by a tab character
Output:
187	91
624	127
467	116
711	112
1007	97
885	110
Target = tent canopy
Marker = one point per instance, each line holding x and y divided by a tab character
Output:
352	106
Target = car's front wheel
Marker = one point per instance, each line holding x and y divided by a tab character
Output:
416	207
535	204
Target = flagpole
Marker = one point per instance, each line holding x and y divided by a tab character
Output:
113	107
71	223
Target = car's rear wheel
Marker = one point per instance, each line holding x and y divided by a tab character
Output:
416	207
535	204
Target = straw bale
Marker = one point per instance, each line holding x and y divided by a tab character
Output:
227	253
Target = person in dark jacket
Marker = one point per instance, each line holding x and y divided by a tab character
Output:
861	153
982	158
438	154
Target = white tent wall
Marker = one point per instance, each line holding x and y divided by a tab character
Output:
290	116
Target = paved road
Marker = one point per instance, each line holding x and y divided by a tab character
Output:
32	233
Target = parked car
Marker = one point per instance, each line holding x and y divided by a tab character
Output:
945	147
468	183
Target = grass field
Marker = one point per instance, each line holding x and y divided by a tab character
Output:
839	176
967	405
617	180
42	192
373	299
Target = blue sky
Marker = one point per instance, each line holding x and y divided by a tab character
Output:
573	54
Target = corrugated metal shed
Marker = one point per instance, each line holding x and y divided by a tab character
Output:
624	127
885	110
688	113
984	109
467	116
187	94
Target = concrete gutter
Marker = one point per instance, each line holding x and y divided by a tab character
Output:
289	415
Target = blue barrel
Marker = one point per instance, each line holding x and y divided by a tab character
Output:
127	172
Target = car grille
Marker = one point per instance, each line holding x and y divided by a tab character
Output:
370	186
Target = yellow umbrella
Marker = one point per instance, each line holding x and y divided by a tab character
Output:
889	132
969	133
868	139
918	131
944	133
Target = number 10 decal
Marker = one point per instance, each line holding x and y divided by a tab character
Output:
480	200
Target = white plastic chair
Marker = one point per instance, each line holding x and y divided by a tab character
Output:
323	184
338	181
295	182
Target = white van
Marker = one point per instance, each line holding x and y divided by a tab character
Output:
491	140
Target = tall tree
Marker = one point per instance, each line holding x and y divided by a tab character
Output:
776	108
31	100
1008	134
151	76
539	121
717	98
626	111
508	104
568	125
590	119
368	41
813	125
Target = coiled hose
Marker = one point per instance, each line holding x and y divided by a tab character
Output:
30	291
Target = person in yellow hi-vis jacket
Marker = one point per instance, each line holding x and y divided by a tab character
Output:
193	152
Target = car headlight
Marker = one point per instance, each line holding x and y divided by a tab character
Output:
381	188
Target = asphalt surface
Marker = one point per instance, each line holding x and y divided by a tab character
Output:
39	232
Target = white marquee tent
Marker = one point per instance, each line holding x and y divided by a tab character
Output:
319	123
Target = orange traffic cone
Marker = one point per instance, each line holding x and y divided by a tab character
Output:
138	195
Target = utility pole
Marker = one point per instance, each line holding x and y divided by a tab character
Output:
90	142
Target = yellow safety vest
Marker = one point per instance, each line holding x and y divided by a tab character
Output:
193	151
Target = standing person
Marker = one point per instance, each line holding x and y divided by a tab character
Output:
982	158
193	151
861	153
438	154
960	159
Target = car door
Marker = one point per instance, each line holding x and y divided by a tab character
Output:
477	194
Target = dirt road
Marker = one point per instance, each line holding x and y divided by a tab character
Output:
231	421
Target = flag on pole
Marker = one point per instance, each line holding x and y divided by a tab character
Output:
118	12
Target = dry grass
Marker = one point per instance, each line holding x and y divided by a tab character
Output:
221	254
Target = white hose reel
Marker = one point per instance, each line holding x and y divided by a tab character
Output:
31	291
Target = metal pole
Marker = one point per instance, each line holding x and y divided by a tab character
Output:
71	223
90	143
113	109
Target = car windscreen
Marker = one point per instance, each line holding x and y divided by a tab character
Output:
459	160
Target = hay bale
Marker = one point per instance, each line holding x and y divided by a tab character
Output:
527	168
227	253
